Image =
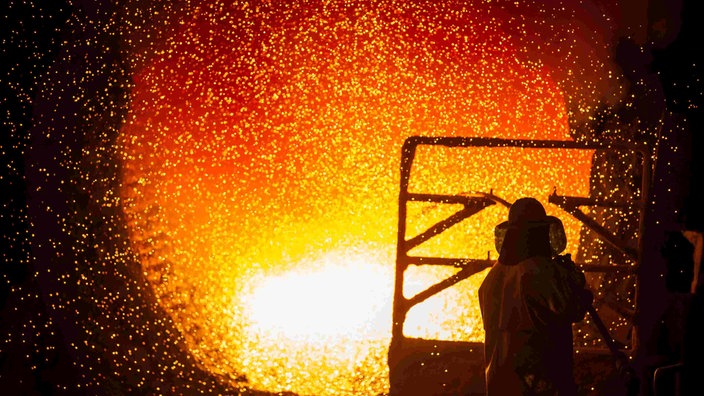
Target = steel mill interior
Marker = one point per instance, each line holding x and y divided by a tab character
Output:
299	198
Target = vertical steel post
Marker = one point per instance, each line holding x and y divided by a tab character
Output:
399	304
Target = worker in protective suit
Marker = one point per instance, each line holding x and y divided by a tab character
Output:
529	300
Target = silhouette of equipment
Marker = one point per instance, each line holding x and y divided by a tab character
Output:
623	366
420	366
625	370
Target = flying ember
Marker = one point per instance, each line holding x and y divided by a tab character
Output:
260	177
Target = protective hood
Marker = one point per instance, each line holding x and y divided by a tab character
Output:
556	234
528	232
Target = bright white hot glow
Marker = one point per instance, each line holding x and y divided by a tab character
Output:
339	297
334	310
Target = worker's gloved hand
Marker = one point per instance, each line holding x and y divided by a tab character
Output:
575	273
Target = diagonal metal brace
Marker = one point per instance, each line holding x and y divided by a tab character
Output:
462	274
570	206
469	210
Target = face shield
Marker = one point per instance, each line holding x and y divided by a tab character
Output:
558	239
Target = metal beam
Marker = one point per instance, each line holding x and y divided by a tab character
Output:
469	210
607	236
464	273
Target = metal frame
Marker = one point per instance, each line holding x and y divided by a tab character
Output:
476	202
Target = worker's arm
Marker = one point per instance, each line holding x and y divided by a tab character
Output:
556	291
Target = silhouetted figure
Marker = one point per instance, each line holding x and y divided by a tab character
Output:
528	303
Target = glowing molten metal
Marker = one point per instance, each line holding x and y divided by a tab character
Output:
261	177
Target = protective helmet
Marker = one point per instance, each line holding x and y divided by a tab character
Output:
526	213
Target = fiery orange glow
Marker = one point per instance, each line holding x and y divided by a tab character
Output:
261	173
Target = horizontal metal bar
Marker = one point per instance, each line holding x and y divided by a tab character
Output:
449	199
454	262
463	262
573	202
606	268
596	350
497	142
